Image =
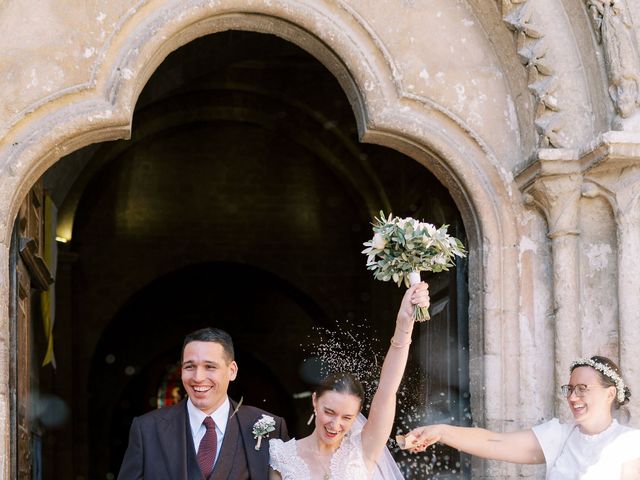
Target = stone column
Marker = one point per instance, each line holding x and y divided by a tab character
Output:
6	364
613	171
629	303
554	184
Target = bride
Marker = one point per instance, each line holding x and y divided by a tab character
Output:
345	445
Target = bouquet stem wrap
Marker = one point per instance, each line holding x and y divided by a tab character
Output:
420	314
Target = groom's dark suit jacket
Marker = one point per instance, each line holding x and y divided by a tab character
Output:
161	447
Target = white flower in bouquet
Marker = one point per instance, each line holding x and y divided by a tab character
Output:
378	242
263	427
401	248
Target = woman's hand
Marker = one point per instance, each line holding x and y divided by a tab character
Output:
419	439
415	295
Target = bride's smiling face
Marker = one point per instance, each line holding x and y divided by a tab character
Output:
335	414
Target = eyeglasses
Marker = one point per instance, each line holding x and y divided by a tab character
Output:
580	389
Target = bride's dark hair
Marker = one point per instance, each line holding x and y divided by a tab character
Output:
341	382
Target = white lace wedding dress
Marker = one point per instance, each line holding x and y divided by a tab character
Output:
347	463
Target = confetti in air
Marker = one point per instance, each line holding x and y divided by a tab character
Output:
356	348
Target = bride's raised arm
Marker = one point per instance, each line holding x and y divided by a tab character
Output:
378	427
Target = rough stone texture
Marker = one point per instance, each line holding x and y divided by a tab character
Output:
4	365
442	81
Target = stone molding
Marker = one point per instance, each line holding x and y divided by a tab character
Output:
542	80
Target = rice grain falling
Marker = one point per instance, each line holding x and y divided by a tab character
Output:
356	348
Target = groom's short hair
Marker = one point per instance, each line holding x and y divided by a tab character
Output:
210	334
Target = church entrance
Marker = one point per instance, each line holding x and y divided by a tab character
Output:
241	201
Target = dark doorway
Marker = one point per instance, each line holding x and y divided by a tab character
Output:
243	198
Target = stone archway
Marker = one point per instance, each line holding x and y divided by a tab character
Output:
434	138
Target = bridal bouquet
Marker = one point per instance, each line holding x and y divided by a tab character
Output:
401	248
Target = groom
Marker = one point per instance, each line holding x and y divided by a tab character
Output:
208	435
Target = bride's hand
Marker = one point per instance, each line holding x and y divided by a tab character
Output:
419	439
415	295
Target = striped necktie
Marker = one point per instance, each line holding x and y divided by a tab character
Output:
208	446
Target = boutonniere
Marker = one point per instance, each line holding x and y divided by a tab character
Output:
262	428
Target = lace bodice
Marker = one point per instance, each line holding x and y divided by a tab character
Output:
347	463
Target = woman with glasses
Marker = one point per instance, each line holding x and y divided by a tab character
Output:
593	446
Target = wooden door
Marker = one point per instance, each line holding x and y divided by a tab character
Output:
28	274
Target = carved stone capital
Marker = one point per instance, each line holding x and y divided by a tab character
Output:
612	170
553	184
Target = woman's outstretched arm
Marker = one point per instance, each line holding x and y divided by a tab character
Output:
515	447
376	431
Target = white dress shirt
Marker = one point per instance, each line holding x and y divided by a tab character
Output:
196	419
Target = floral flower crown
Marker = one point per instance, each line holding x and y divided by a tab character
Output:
607	371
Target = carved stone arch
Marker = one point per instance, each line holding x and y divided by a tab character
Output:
101	109
483	190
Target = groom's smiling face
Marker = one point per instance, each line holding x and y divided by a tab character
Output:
206	373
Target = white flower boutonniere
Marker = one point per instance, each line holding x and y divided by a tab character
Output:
262	428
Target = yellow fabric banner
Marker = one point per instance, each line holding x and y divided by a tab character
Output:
48	298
